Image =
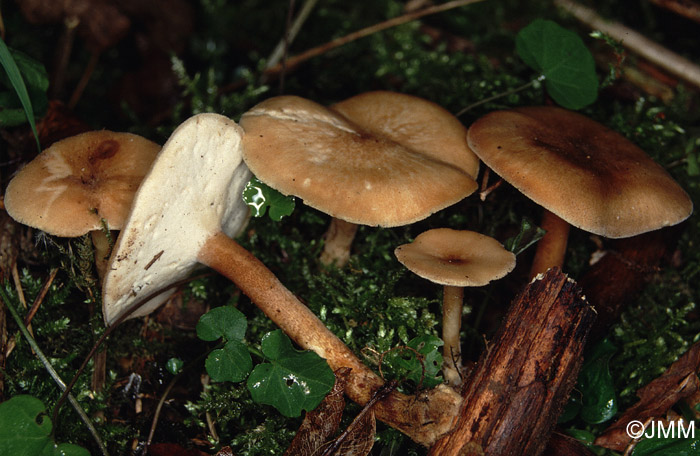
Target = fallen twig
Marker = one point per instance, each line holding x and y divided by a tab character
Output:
636	42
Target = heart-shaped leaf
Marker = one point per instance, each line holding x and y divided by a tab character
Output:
293	380
26	431
564	61
225	321
231	363
261	197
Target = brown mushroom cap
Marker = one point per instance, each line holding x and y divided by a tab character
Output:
580	170
414	122
304	149
71	186
456	258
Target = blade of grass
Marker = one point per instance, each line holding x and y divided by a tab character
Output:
8	63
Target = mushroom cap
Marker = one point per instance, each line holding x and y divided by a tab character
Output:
456	258
192	192
302	148
416	123
71	186
582	171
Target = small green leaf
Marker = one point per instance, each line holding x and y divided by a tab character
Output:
25	430
668	447
15	79
599	401
231	363
225	321
293	380
564	61
528	235
261	197
174	365
408	365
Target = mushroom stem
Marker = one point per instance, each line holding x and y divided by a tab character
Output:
451	324
227	257
339	237
552	247
100	243
434	414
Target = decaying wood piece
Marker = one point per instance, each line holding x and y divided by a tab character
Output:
522	381
616	280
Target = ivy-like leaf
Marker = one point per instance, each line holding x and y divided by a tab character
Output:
225	321
528	235
564	61
599	401
423	371
293	380
685	446
26	431
231	363
261	197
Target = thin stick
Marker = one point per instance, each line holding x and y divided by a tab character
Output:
282	47
52	372
636	42
84	79
40	297
499	95
322	49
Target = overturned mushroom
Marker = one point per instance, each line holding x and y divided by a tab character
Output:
455	259
378	159
182	215
81	184
581	172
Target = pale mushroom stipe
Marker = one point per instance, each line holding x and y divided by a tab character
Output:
455	259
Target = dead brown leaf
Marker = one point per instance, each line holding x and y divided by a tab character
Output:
678	382
322	422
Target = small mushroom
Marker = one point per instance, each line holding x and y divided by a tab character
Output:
81	183
183	214
581	172
455	259
378	159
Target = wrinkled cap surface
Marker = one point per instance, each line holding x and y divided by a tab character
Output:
192	192
71	186
304	149
582	171
456	258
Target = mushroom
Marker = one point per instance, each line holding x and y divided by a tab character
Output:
378	159
183	213
581	172
455	259
81	184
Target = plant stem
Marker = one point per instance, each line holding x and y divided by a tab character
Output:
499	95
52	372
